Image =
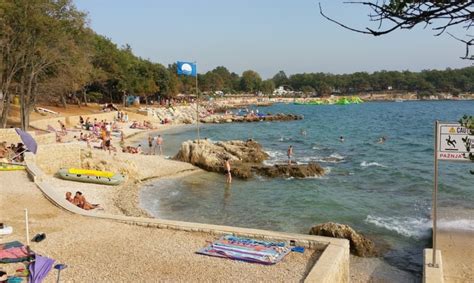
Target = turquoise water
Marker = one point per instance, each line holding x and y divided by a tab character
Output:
382	190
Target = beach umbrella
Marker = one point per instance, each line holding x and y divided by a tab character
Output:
40	268
28	140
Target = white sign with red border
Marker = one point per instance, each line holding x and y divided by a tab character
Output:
454	142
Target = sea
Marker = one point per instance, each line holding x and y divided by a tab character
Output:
381	190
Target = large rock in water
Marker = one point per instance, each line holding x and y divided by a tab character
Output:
246	159
210	156
359	245
298	171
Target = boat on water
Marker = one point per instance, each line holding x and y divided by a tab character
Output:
91	176
398	100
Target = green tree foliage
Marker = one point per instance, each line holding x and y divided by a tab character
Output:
267	86
280	79
250	81
427	82
40	39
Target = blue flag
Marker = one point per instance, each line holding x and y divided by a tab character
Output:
187	68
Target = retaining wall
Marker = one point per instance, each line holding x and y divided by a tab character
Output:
54	157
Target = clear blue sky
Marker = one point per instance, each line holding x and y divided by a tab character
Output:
266	36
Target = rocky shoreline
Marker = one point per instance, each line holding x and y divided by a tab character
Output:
250	118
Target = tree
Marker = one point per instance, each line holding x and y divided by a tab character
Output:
391	15
225	76
250	81
39	36
308	90
268	86
280	79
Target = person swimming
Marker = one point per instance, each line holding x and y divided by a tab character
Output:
341	139
382	140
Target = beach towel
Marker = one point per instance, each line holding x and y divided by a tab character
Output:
13	252
246	249
14	244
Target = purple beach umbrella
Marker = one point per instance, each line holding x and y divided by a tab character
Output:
40	268
27	140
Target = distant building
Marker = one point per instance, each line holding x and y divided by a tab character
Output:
280	91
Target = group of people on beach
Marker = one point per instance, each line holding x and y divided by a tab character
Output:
99	131
80	201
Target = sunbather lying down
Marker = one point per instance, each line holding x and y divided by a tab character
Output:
80	201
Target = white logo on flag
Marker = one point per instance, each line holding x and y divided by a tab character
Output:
186	68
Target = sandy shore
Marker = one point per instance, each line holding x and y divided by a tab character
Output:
107	251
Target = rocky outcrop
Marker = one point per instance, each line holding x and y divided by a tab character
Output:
359	245
210	156
246	159
293	170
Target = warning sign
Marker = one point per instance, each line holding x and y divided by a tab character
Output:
454	142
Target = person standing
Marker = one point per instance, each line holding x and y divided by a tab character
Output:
227	170
289	153
150	145
159	144
108	142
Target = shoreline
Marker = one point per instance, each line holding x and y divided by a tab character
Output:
125	199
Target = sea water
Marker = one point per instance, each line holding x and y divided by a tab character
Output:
382	190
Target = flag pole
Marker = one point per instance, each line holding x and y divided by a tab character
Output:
197	107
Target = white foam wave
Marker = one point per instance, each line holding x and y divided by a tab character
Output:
333	158
370	164
411	227
336	156
275	157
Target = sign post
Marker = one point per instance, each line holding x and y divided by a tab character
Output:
435	195
453	142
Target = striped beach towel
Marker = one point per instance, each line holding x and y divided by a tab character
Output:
246	249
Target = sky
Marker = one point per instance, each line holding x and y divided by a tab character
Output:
266	36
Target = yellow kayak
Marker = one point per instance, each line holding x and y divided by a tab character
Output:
11	167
